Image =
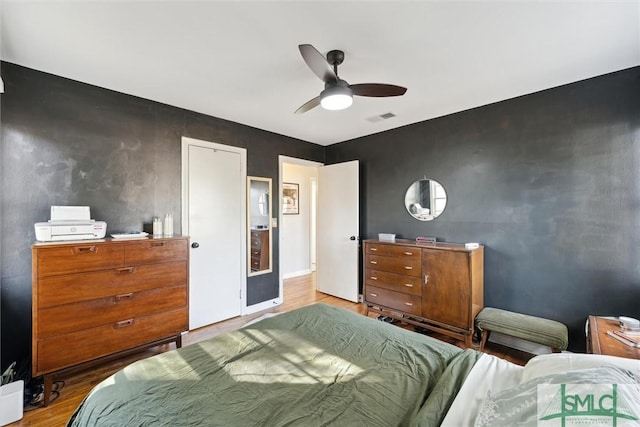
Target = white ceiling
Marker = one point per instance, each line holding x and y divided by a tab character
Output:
239	60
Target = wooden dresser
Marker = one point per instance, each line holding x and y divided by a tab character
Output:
100	299
259	250
437	287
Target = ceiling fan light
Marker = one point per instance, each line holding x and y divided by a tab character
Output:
336	98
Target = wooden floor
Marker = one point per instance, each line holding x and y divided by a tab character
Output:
298	292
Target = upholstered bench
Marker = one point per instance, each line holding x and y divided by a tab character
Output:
535	329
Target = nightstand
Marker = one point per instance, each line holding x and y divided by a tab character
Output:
598	342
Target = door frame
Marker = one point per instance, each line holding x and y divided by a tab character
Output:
281	161
186	142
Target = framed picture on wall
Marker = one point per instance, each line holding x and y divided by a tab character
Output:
290	198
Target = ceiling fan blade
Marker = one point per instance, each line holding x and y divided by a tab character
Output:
317	63
377	89
312	103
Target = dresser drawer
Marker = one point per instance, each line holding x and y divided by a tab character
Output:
67	289
259	240
68	350
68	318
257	234
256	253
77	258
410	266
395	282
406	252
392	299
152	251
255	263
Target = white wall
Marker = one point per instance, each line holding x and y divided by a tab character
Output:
295	243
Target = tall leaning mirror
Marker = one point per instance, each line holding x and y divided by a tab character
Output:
259	224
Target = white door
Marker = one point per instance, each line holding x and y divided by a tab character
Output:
337	235
214	216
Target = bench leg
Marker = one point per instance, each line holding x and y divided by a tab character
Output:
483	338
555	350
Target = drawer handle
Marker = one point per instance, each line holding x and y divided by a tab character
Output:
408	303
123	324
408	285
374	295
157	244
126	270
120	297
374	249
426	279
408	253
374	278
408	267
85	249
373	262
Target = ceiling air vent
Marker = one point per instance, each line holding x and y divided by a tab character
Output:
381	117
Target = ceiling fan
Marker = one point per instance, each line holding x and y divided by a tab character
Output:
337	93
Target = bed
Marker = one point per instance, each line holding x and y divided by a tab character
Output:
320	365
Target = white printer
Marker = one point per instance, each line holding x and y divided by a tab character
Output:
70	223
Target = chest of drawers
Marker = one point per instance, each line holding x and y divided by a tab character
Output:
95	299
437	287
259	250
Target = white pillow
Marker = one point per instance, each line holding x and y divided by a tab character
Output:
523	405
554	363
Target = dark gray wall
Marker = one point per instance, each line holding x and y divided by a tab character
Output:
68	143
549	182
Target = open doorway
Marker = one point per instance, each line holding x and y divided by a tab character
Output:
298	216
332	230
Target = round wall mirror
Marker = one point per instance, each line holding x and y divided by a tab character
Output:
425	199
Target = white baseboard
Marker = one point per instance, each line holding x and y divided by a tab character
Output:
519	344
296	274
265	305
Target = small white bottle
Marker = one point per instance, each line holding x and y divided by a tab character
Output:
157	226
168	225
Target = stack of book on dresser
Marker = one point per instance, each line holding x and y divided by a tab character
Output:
629	332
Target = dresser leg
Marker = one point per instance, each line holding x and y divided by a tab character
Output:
48	386
468	340
179	341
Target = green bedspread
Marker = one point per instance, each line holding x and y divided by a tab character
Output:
318	365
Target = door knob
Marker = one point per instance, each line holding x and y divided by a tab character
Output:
195	245
352	238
